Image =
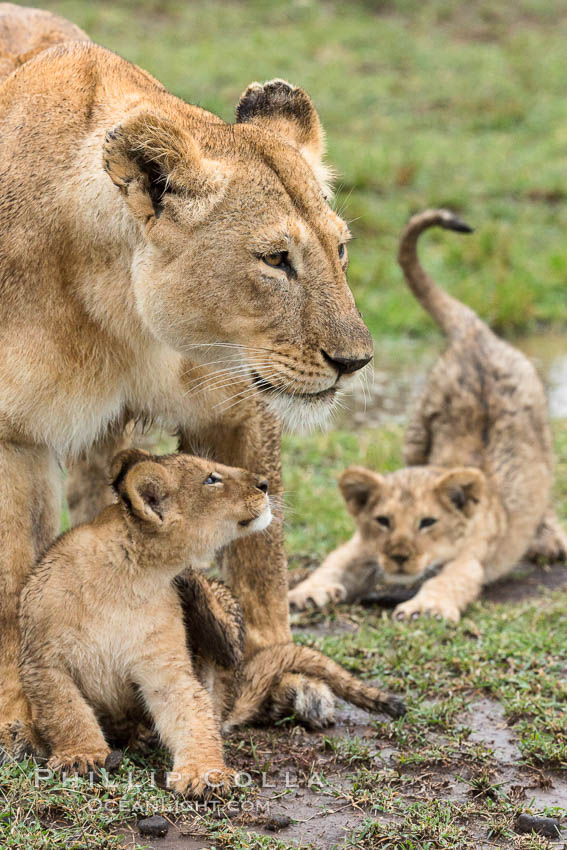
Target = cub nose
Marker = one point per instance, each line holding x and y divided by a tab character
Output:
400	559
345	365
262	485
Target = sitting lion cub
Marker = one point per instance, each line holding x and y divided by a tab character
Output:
475	497
102	624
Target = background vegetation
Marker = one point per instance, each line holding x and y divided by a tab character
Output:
441	102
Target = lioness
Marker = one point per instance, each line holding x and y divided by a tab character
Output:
157	263
476	495
103	626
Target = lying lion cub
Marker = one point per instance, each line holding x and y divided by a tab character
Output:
102	624
476	496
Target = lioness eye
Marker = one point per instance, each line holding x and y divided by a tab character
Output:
384	521
427	521
341	250
276	260
213	478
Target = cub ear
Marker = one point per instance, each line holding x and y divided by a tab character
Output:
149	158
288	111
147	485
357	484
120	465
141	483
461	489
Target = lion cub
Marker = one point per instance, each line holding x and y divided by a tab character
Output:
102	627
475	497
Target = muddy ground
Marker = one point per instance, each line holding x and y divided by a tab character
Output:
308	795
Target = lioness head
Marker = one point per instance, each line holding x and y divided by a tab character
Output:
415	518
197	503
243	260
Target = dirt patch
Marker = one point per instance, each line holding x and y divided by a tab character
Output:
294	775
487	720
527	581
307	778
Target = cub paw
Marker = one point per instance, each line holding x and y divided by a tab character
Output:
309	701
393	706
79	763
424	607
192	781
549	545
303	596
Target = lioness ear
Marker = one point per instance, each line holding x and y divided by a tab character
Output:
149	158
461	489
147	485
357	484
288	111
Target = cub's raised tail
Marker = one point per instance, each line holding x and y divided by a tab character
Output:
449	313
268	666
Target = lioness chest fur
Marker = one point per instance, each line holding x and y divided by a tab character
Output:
475	497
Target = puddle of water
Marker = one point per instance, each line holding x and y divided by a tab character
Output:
401	367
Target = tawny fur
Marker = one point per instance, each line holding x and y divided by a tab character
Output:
26	32
103	638
475	498
263	683
133	286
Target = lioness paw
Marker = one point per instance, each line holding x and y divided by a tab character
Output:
302	597
80	763
191	781
443	609
16	742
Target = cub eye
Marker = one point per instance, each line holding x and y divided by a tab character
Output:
275	260
383	521
213	478
341	250
427	521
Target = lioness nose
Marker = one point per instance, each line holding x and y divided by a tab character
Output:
400	559
346	365
262	485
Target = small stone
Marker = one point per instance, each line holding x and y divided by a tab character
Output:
113	761
543	826
277	822
154	827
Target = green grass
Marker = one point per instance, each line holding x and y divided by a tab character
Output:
459	104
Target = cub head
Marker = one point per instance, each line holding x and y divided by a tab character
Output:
195	503
415	518
242	260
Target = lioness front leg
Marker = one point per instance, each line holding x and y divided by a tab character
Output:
256	566
446	595
184	717
29	520
87	484
344	576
